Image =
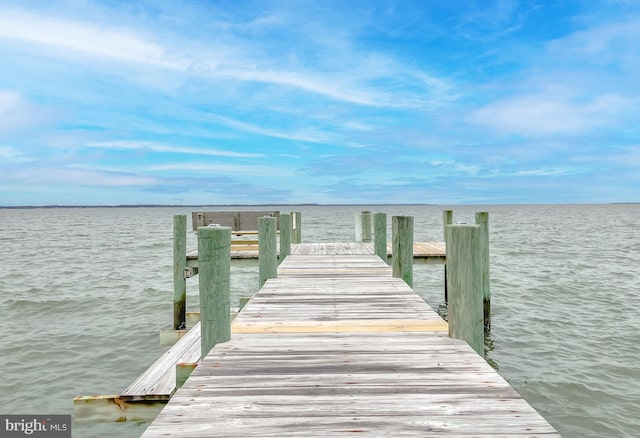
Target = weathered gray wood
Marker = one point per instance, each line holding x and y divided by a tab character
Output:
482	219
335	345
464	311
363	224
268	251
402	241
285	235
447	219
179	265
366	226
296	224
380	235
214	264
158	381
236	220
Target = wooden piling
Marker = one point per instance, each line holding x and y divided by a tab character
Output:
482	219
402	248
296	227
366	226
267	249
447	219
285	236
465	314
179	265
362	222
214	266
380	235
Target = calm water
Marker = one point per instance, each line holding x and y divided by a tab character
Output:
84	292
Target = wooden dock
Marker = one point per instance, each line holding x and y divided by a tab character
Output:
423	252
335	345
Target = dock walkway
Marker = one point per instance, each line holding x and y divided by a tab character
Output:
423	252
336	345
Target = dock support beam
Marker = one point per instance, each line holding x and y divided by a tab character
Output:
380	235
179	265
482	219
402	248
214	264
267	250
296	224
285	236
465	314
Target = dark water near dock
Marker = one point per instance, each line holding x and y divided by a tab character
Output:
84	292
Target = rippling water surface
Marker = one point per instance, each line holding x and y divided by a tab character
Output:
84	292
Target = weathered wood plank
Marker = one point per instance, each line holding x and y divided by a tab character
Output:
158	381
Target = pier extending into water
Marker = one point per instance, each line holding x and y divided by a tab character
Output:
336	342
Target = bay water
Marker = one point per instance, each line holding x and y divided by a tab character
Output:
85	291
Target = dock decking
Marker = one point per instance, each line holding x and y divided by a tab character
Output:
423	252
336	345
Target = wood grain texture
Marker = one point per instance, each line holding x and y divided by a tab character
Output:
179	265
268	251
464	284
214	284
335	345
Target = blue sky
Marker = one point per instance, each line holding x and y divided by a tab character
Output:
219	102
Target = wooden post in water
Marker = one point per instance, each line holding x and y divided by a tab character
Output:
447	219
267	250
380	235
366	226
296	227
482	219
179	265
464	309
214	270
402	248
285	236
362	222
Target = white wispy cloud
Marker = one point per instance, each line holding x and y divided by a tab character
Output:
541	114
351	83
12	155
165	148
544	172
308	135
18	113
9	100
221	168
613	41
72	176
86	38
